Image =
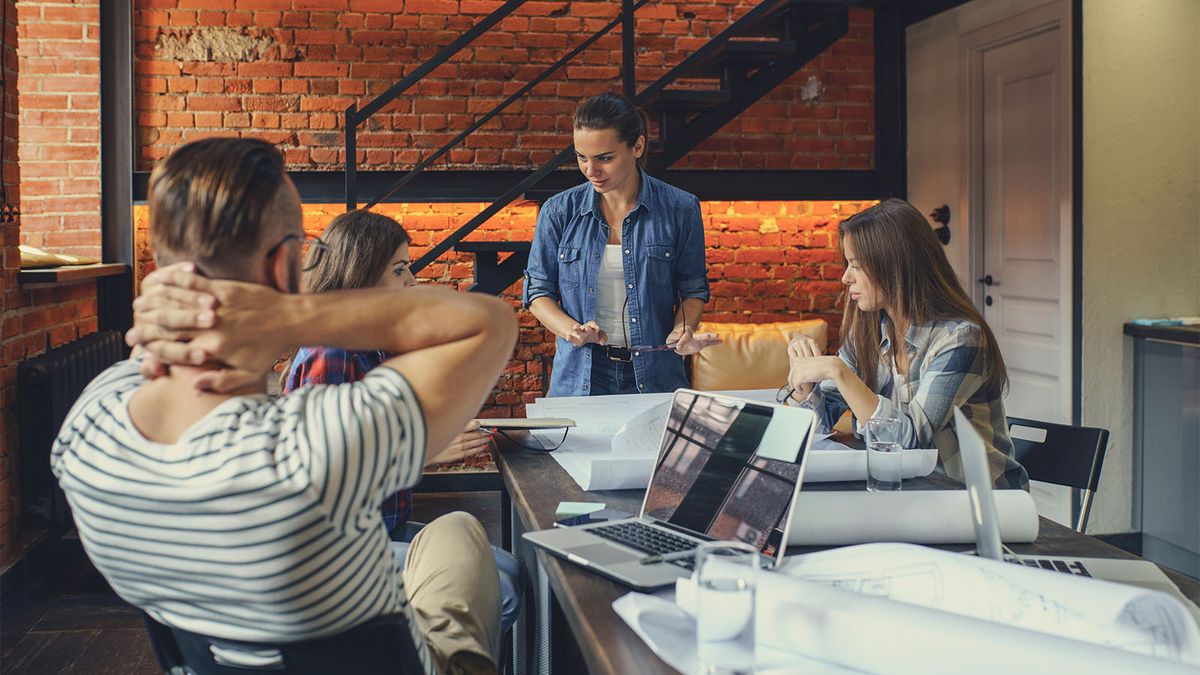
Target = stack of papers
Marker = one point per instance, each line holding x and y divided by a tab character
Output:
616	440
905	608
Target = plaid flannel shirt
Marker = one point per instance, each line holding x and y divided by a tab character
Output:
945	372
325	365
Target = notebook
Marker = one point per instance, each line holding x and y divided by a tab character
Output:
727	469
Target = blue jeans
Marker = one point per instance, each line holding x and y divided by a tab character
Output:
611	377
512	581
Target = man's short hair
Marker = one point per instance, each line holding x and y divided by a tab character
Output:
208	200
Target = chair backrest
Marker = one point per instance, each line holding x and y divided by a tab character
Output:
380	646
1061	454
751	356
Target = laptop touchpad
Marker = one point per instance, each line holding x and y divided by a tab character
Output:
602	554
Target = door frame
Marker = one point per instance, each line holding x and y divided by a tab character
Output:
1056	14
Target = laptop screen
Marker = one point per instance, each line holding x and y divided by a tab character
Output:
729	469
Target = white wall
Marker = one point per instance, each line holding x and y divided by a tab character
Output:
937	115
1141	185
1141	207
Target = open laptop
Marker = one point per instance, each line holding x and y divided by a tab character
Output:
727	469
1141	573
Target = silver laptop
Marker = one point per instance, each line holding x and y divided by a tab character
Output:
987	529
727	469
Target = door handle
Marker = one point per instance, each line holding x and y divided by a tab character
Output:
988	281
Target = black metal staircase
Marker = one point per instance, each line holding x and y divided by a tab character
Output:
689	103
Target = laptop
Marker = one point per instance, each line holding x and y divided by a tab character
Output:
727	469
1141	573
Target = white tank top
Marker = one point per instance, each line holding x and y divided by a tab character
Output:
610	297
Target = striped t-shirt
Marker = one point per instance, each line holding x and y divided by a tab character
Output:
262	522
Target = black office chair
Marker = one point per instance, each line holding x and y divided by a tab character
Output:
1070	456
382	646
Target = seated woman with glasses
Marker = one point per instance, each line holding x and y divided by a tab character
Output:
361	249
914	347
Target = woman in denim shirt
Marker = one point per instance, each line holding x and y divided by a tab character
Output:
617	263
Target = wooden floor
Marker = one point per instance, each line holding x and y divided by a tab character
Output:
57	615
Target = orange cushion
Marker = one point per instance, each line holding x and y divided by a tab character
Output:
752	355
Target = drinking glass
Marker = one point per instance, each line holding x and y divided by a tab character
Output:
726	574
884	457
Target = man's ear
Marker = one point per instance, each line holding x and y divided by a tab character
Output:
280	272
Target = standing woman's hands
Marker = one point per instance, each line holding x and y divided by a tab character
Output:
687	341
586	333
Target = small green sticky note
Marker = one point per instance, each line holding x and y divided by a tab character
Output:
569	509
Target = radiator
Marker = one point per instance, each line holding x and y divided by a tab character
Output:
47	386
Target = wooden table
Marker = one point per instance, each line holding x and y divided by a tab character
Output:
534	484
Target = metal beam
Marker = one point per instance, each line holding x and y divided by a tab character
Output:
327	187
891	125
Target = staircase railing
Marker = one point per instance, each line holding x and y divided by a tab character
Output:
355	117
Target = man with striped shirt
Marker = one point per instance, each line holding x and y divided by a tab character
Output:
221	511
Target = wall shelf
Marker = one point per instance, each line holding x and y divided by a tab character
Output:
69	274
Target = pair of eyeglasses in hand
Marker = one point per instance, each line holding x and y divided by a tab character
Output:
670	346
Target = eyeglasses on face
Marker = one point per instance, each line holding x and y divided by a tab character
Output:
312	249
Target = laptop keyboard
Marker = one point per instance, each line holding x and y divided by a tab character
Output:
645	538
1075	567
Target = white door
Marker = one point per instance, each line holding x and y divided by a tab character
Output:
1020	202
1024	280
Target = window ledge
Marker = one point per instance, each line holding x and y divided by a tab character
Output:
68	274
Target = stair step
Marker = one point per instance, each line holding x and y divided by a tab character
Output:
744	53
691	99
773	24
491	246
758	51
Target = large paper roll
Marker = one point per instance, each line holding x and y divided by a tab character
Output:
832	466
836	518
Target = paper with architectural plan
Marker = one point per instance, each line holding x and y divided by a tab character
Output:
926	610
616	440
838	518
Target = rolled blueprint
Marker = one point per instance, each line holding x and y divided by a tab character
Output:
836	518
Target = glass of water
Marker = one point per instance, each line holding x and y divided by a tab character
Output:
726	574
884	457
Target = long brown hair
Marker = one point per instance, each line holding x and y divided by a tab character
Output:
898	252
359	245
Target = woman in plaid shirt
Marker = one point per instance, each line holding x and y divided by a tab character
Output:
901	290
361	249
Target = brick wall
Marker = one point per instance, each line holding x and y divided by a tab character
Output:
32	317
285	70
59	83
767	261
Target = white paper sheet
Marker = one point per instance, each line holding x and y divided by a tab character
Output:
671	634
589	453
836	518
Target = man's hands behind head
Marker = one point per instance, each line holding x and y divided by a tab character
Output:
183	318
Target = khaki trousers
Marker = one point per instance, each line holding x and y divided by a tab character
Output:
452	584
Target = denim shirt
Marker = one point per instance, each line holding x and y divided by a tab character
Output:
662	240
